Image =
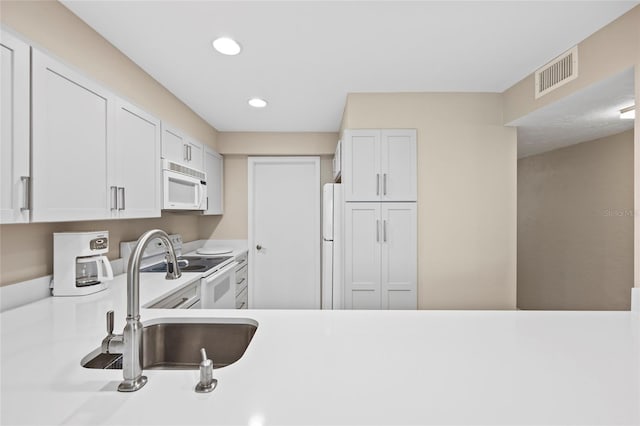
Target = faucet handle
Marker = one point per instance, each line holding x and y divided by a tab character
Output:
109	322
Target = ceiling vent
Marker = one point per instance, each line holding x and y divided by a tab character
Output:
560	71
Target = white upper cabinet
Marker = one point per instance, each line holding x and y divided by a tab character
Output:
379	165
136	191
195	151
94	155
361	165
380	269
72	121
173	145
14	128
179	148
214	169
398	165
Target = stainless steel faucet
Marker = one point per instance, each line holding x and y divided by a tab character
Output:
129	343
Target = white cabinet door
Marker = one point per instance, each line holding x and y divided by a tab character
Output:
72	121
14	128
361	165
173	145
137	163
213	167
362	247
399	256
399	165
195	154
179	148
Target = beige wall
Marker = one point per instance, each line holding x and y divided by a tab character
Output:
26	250
53	27
236	147
575	226
466	193
612	49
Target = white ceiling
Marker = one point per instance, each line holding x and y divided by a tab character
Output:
592	113
303	57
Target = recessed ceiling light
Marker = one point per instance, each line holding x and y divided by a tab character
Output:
257	103
226	46
628	113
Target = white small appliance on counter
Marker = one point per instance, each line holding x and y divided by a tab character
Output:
80	264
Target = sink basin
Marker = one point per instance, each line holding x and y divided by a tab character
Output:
176	345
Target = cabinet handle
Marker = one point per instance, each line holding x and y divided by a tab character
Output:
384	230
384	184
240	282
377	183
26	183
207	204
114	197
377	231
189	151
186	152
122	197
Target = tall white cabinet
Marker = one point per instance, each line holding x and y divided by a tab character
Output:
380	218
14	128
379	165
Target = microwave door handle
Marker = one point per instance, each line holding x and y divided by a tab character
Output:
203	193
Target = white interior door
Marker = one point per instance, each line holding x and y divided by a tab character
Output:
284	232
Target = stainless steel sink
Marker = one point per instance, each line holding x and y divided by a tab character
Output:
176	346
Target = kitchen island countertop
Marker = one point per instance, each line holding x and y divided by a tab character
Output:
331	367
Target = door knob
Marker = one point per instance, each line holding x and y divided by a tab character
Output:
258	247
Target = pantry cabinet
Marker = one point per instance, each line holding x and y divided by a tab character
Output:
14	128
380	256
135	190
214	169
94	155
179	148
72	125
379	165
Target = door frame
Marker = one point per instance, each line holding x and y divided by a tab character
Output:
251	163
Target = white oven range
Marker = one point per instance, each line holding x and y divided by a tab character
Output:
216	288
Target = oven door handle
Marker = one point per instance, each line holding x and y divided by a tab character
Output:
229	268
187	303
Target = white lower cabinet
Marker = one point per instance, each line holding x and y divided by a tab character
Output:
14	129
380	256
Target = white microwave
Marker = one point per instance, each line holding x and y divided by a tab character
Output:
183	188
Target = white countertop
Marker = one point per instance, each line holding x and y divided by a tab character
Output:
332	367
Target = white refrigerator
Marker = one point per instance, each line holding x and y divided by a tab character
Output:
332	208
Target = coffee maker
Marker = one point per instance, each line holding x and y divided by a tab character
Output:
80	264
